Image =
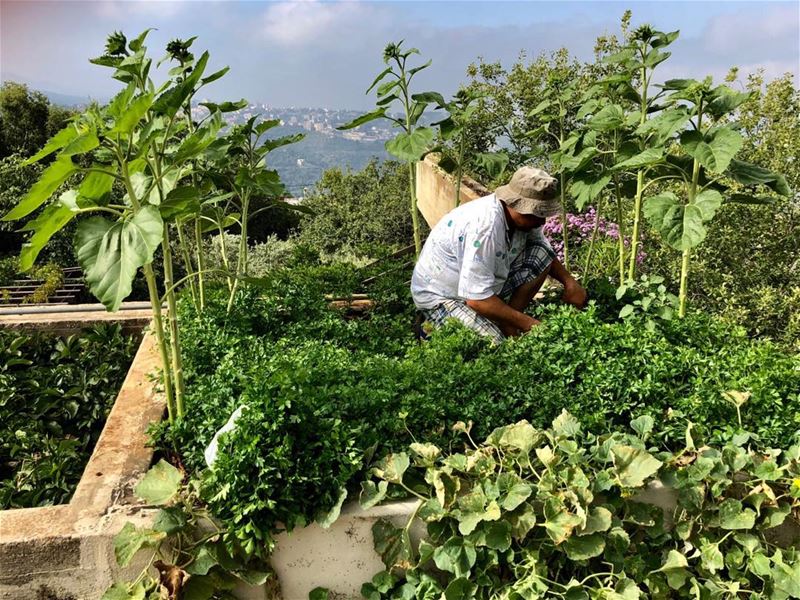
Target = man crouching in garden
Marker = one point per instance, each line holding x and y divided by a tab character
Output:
485	260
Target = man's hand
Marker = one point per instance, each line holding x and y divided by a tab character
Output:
510	321
513	331
574	294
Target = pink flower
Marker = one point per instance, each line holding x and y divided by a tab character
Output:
580	228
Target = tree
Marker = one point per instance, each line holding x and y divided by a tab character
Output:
24	115
751	273
359	211
770	124
16	178
509	100
57	118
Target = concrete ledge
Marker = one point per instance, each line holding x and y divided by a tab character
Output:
66	551
134	316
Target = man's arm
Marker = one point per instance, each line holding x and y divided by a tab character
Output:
510	321
573	292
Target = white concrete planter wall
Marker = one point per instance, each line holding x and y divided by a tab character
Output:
340	558
436	194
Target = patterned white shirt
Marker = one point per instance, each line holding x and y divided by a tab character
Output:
468	254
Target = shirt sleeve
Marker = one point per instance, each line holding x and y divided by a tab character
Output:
477	276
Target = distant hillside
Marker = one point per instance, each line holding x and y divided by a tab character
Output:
302	164
324	146
57	98
68	101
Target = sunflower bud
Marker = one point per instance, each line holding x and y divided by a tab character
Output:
644	33
392	51
115	44
179	50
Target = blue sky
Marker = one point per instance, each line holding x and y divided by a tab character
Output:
315	53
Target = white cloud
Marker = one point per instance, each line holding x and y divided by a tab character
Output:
296	23
748	39
118	9
746	30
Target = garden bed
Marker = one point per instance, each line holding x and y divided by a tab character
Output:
327	395
57	391
66	551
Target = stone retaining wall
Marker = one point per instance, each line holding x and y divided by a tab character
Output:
65	552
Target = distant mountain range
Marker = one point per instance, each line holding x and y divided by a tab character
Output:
70	101
65	100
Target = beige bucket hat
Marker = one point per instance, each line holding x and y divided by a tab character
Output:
531	191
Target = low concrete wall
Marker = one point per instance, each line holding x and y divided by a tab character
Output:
133	316
436	194
65	552
340	558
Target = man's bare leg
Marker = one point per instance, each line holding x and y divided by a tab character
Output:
524	294
521	298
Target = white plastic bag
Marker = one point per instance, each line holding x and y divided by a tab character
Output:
211	451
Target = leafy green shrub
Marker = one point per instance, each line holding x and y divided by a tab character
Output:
52	278
535	513
353	388
759	288
9	267
272	254
262	257
55	394
363	212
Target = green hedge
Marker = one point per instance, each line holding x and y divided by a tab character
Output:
327	393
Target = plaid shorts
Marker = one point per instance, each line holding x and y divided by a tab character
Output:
531	263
